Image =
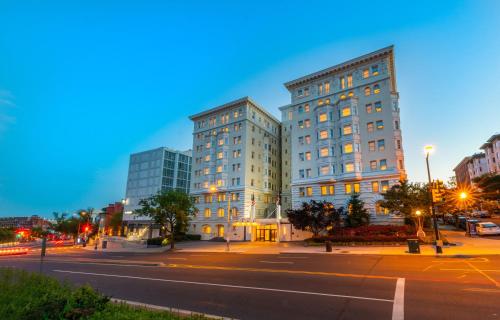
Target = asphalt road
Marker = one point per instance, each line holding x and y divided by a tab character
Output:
286	286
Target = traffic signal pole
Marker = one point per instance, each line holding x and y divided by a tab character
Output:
439	249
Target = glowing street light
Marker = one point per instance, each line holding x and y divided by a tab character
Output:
428	150
463	195
420	230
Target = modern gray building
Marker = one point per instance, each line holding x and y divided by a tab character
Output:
341	134
150	172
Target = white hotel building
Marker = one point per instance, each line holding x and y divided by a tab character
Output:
341	134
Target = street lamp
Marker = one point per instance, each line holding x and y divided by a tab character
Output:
213	189
420	231
428	150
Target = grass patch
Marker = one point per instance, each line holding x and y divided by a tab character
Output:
25	295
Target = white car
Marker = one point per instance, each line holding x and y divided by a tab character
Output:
487	228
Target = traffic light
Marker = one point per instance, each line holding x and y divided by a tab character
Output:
86	228
437	191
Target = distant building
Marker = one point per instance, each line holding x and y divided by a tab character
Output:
150	172
24	222
108	214
492	152
470	168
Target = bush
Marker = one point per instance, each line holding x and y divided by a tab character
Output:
194	237
155	241
370	233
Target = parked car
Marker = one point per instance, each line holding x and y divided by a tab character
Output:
480	214
487	228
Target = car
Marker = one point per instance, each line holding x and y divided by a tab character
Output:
487	228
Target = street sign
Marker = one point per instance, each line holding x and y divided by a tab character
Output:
44	246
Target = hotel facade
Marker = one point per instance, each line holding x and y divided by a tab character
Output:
339	135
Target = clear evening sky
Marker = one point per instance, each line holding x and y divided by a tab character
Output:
85	83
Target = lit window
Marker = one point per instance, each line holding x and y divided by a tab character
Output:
348	148
342	83
306	107
383	164
206	171
208	213
381	145
323	117
323	134
366	73
349	167
378	106
375	186
369	108
302	192
367	91
236	114
356	187
371	145
327	101
323	152
307	123
350	94
380	125
220	182
349	81
320	89
320	102
347	129
348	188
290	115
369	126
324	170
376	89
234	212
346	111
398	144
207	157
308	155
308	139
385	185
327	87
208	198
301	124
206	229
220	155
342	96
220	212
207	145
221	197
324	190
375	70
309	191
373	165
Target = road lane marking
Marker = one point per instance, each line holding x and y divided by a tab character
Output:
225	285
398	307
177	258
199	255
484	274
457	269
289	257
316	273
281	262
482	290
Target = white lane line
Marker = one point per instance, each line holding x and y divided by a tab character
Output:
398	307
458	269
225	285
280	262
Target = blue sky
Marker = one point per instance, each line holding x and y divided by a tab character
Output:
85	83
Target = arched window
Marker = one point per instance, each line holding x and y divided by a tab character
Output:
342	96
350	94
208	213
220	230
234	212
376	89
220	212
206	229
367	91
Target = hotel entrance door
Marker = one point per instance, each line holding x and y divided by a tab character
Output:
266	235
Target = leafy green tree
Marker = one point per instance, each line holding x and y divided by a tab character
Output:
115	222
357	215
489	185
170	209
405	198
315	217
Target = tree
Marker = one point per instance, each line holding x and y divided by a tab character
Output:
405	198
315	216
490	186
357	215
170	209
116	221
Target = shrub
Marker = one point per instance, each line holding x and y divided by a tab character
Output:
155	241
370	233
193	236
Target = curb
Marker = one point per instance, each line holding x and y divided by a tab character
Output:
179	312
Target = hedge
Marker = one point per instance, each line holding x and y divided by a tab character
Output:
370	233
25	295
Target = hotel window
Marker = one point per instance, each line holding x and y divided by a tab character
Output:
301	140
381	145
342	96
323	134
220	182
236	114
350	94
378	106
309	191
373	165
376	89
207	145
380	125
221	197
327	190
348	188
235	196
308	173
385	185
327	87
327	101
349	80
208	212
375	70
366	73
349	167
383	164
320	102
307	123
348	148
220	155
324	170
301	192
206	229
369	108
301	173
368	91
301	124
369	126
300	93
308	155
342	83
205	184
375	186
347	129
308	139
301	156
300	109
396	125
220	212
402	167
346	111
323	117
206	171
234	212
356	187
323	152
306	91
290	115
320	89
398	144
306	107
371	145
207	157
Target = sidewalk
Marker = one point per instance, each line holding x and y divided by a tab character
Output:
124	246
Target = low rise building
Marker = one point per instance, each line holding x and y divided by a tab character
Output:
492	153
469	168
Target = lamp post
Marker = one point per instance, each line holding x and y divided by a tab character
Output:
428	150
228	194
420	231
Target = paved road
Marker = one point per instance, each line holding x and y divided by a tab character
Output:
286	286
